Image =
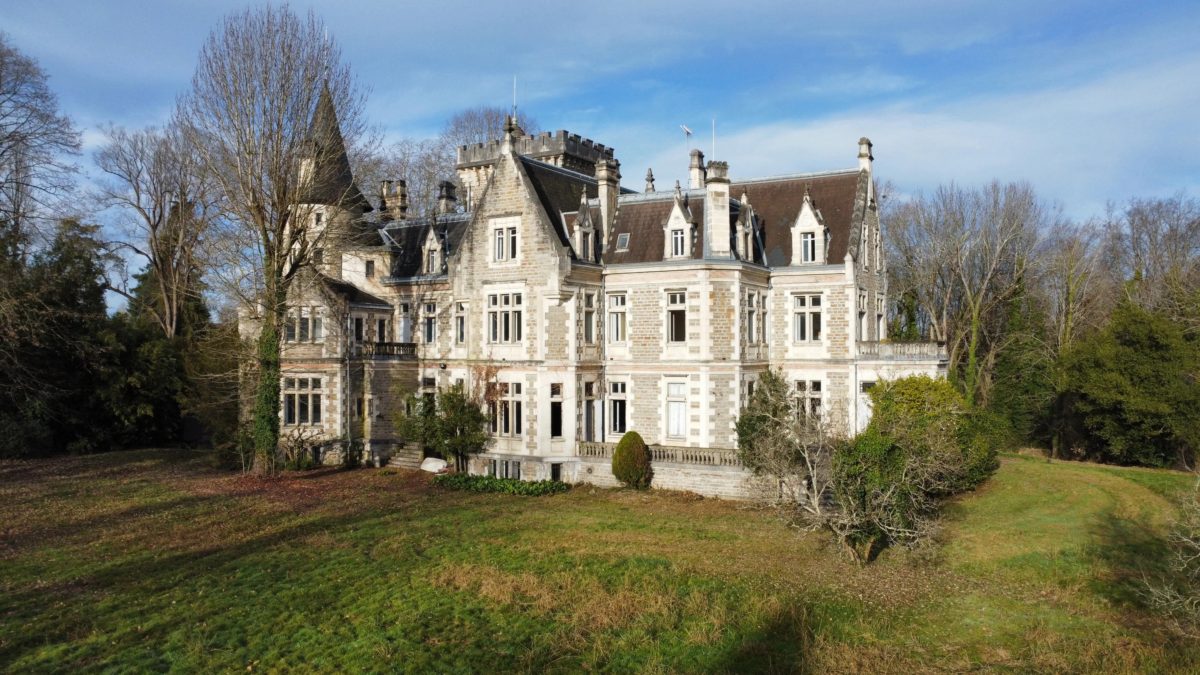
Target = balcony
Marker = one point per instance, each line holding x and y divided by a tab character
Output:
667	454
902	351
397	350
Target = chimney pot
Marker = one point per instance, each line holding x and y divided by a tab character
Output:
696	176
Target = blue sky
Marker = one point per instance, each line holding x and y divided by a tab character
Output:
1089	101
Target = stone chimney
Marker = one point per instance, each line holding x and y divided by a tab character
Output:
649	181
864	154
864	164
608	186
696	175
716	208
401	206
385	211
446	200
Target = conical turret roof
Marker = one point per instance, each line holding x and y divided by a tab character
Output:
332	180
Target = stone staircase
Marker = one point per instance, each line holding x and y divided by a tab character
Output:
406	457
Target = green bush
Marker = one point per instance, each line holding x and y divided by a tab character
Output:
631	461
510	486
927	418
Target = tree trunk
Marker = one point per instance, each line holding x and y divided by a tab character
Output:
266	400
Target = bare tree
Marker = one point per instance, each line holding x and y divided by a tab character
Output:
167	204
36	142
1177	595
261	77
789	450
963	254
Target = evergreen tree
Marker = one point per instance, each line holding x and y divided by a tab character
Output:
1134	390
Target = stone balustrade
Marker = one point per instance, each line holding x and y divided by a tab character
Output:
664	453
902	351
404	350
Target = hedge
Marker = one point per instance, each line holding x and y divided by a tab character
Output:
511	486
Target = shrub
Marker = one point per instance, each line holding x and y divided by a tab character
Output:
631	461
927	418
922	444
511	486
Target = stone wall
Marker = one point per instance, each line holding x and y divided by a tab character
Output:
725	482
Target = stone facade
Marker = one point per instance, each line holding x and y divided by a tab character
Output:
601	312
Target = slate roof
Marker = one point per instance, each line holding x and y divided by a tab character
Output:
559	190
353	294
643	218
406	239
333	181
776	203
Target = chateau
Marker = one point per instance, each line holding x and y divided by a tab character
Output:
591	308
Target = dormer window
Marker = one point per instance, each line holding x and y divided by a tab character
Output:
317	218
431	262
370	269
677	243
808	247
585	245
623	241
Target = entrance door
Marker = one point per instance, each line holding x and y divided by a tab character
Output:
556	473
589	420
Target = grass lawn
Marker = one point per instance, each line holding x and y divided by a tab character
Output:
150	560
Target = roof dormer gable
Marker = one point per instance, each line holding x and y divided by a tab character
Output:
810	236
678	230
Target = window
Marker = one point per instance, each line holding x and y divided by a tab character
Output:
616	407
616	317
585	246
504	243
879	316
677	316
556	410
751	317
505	468
806	318
318	218
589	318
460	323
370	269
431	262
862	315
318	256
303	324
301	401
504	318
381	330
430	322
358	329
677	243
623	241
808	247
677	409
506	412
808	395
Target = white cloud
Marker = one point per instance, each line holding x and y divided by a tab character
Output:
1129	133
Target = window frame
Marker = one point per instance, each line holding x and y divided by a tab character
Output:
300	400
504	318
618	318
806	318
675	410
617	399
677	332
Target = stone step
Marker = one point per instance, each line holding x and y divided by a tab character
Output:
404	462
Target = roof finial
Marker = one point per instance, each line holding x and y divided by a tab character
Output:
678	190
649	180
